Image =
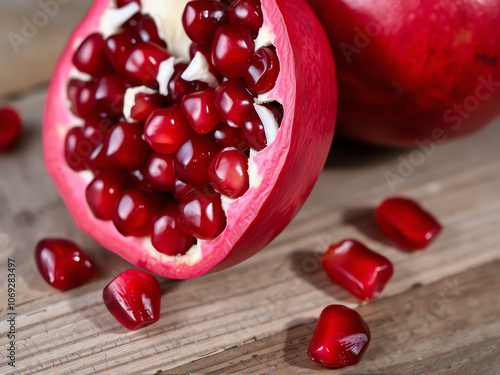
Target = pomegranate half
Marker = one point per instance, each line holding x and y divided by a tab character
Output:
206	148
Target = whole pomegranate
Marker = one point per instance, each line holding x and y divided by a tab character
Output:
412	71
185	135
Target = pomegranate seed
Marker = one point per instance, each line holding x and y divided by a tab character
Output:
142	27
166	234
117	48
233	101
254	133
91	57
134	299
193	159
109	96
276	110
201	214
340	339
77	149
82	97
62	264
199	107
202	18
10	128
406	223
177	87
143	63
122	3
247	13
166	129
159	172
357	269
232	47
124	146
228	173
97	159
103	192
226	136
261	71
133	212
145	104
95	130
181	189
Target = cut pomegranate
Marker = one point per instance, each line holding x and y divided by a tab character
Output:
134	299
62	264
359	270
406	223
340	339
160	176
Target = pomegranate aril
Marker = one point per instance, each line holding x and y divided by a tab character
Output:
201	214
359	270
193	158
122	3
167	236
134	299
133	212
125	148
62	264
247	13
10	128
81	95
231	48
117	47
97	159
340	338
91	57
224	136
103	192
233	101
143	63
202	18
95	130
159	172
199	107
228	173
77	149
109	96
145	104
261	71
181	189
143	27
406	223
166	129
178	87
254	133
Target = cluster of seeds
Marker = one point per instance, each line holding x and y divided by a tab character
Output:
161	164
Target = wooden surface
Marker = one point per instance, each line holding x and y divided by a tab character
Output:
439	313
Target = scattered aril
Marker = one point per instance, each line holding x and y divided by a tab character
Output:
10	128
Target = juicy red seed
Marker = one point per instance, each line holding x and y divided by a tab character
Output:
122	3
261	71
226	136
233	101
143	28
406	223
232	46
202	18
228	173
340	339
254	133
181	189
62	264
276	111
10	128
159	172
247	13
193	158
201	214
166	129
91	57
124	146
199	107
77	149
167	235
97	159
143	63
117	47
133	212
177	87
103	192
81	95
359	270
134	299
145	104
109	96
95	130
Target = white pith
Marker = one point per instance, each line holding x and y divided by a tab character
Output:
168	18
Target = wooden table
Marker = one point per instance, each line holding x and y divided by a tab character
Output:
439	313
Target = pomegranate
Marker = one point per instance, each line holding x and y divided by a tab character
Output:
411	71
10	128
340	339
185	135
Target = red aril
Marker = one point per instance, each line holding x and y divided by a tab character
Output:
202	18
246	13
166	234
169	91
10	128
91	56
62	264
76	149
356	268
340	339
261	71
134	299
254	133
406	223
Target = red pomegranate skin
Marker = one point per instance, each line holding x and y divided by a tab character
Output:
289	167
412	71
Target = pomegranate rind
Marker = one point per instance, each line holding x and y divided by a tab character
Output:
287	169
